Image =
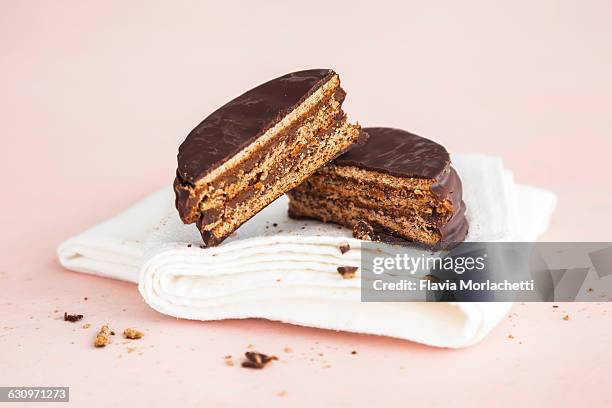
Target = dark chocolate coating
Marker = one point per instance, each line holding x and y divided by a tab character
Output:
241	121
398	153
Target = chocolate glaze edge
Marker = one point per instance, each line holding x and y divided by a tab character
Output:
398	153
241	121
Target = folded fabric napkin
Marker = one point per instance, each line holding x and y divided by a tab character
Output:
281	269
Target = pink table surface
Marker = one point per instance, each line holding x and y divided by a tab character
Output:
95	97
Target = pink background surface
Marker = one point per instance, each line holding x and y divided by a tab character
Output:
96	97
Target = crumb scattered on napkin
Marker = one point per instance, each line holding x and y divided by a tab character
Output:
347	272
344	247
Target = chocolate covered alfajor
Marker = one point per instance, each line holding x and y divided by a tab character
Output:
258	146
397	184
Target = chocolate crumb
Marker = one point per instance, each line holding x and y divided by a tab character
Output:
257	360
566	317
344	247
112	333
85	298
354	352
589	289
347	272
364	231
555	306
275	225
72	317
188	245
102	338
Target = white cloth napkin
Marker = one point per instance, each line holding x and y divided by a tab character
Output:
281	269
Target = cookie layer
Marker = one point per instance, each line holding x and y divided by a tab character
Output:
399	183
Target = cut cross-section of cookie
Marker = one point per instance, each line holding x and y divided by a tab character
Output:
257	147
398	184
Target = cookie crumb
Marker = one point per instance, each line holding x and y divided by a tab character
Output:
72	317
347	272
87	325
283	393
133	334
364	231
510	336
228	361
288	350
102	338
566	317
344	247
257	360
130	350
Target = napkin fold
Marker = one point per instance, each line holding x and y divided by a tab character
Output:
281	269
